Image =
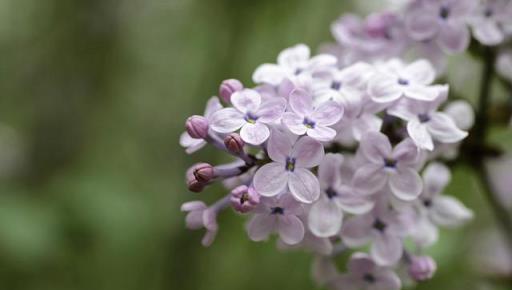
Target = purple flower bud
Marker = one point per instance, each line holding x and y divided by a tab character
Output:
203	172
244	199
422	268
193	184
197	127
228	87
234	143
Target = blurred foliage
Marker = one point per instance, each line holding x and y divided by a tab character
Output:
93	96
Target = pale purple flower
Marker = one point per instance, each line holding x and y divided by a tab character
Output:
425	124
388	166
244	198
193	144
378	36
443	210
365	274
345	86
444	21
504	64
436	209
304	118
383	227
462	114
279	215
326	215
292	62
489	19
310	242
395	79
289	169
422	268
250	113
200	216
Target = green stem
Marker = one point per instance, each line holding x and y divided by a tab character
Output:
480	132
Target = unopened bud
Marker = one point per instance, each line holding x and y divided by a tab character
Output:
203	172
193	184
197	127
234	143
422	268
228	87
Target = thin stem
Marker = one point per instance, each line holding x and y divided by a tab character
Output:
480	132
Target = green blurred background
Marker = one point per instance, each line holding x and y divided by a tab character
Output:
93	97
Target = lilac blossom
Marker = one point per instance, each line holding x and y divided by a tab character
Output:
250	113
489	19
394	79
280	215
288	170
193	144
387	166
365	274
425	124
304	118
326	215
292	62
443	21
383	227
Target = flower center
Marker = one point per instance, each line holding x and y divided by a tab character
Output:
250	118
403	82
389	163
427	202
297	71
277	210
369	278
423	118
488	12
331	193
244	198
336	85
290	164
379	225
444	12
310	124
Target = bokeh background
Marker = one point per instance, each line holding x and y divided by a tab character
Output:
93	97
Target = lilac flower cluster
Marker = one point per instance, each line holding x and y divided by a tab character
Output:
344	150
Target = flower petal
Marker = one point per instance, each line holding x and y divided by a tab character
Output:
421	92
406	183
443	129
191	144
254	134
294	123
375	147
360	264
325	218
384	89
301	102
387	280
290	229
269	73
279	146
304	185
322	133
307	152
227	120
270	179
420	135
294	56
436	177
327	114
386	250
260	226
271	110
421	25
449	212
406	153
454	37
357	230
369	179
421	71
330	169
246	100
212	106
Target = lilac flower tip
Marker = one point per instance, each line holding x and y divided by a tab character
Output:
197	127
422	268
228	87
234	143
203	172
